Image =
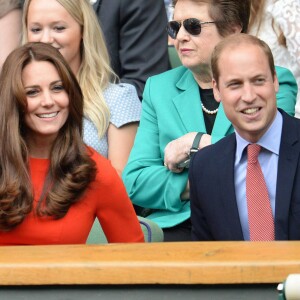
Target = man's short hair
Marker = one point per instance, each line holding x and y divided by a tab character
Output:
233	41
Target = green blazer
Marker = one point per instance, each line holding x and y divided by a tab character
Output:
170	109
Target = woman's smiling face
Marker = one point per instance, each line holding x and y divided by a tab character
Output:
47	100
49	22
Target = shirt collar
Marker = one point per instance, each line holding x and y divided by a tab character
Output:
270	140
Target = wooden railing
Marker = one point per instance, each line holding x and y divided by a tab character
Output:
151	263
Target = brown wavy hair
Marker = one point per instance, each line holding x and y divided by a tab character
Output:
228	13
71	168
256	16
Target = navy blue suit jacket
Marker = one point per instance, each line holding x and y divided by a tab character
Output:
214	211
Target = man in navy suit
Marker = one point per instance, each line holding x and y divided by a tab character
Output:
245	81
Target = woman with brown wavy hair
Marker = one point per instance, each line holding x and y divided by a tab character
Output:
52	186
277	23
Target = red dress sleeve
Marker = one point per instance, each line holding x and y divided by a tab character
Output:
114	208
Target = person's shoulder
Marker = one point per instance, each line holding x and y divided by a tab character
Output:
290	131
107	180
101	162
212	152
290	120
166	83
123	102
283	72
95	156
162	88
173	74
120	92
120	89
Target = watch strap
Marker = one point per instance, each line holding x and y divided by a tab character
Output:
195	145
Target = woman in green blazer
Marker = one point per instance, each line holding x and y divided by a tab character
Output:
177	105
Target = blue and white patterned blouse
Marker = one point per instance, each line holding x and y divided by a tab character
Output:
124	106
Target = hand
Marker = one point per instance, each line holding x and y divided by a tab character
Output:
205	141
178	150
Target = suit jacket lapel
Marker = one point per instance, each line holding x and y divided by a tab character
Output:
227	190
222	124
187	103
188	106
287	164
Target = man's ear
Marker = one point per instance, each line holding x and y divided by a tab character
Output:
216	90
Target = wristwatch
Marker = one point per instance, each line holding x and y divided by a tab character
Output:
193	150
195	144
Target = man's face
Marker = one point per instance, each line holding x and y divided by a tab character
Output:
247	89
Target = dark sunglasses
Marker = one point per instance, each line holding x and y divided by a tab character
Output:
191	25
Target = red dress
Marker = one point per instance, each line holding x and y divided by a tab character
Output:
105	198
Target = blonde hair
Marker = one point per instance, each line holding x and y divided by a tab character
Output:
256	16
95	73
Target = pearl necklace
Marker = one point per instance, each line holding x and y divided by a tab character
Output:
210	112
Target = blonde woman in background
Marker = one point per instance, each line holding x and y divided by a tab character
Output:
277	23
112	111
10	27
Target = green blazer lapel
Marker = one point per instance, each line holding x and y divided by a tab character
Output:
222	125
187	103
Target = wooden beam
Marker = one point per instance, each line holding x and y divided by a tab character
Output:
150	263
